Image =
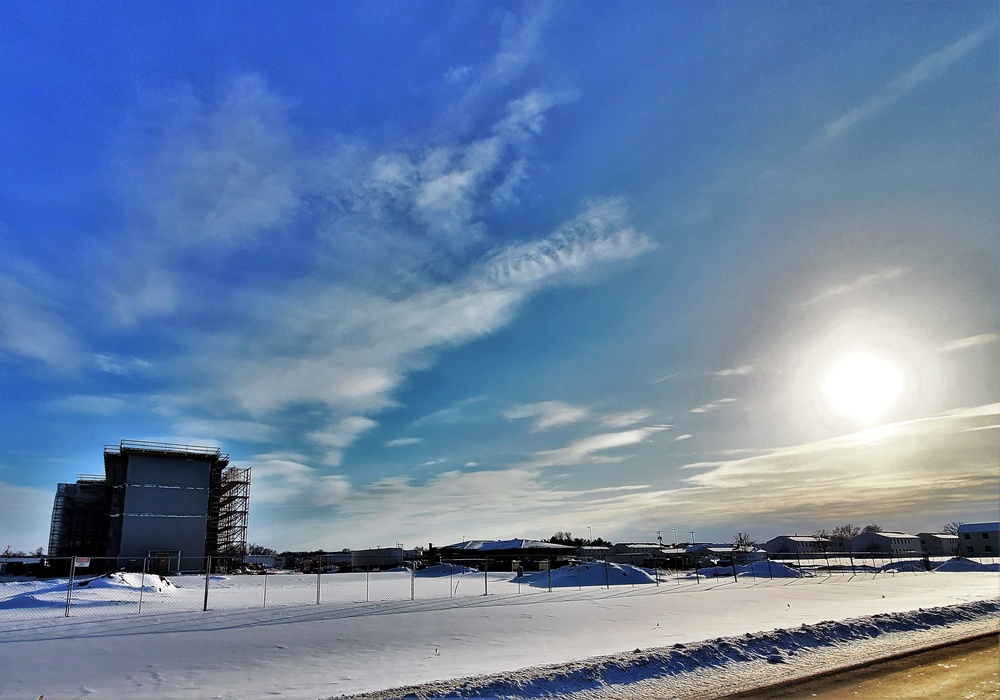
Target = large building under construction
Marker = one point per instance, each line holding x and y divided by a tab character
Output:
177	504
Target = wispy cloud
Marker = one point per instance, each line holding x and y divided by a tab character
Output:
938	466
712	405
591	449
396	277
520	38
625	419
402	442
935	465
548	414
121	366
90	405
685	436
971	341
885	274
741	371
340	435
928	68
32	326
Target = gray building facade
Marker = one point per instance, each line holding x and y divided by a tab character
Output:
176	503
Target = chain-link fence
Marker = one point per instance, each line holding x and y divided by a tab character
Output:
79	586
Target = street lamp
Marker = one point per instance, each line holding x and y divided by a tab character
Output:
674	530
590	534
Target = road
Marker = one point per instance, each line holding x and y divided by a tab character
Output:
968	670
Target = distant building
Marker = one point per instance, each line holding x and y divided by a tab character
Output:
797	545
938	544
979	539
175	503
376	559
508	554
886	543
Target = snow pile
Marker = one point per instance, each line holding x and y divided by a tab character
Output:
444	570
590	574
128	580
757	569
721	656
904	565
959	564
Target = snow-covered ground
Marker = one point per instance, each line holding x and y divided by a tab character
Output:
726	629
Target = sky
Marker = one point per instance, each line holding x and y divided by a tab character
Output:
446	271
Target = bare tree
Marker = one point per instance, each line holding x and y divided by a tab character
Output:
872	527
846	531
952	527
744	543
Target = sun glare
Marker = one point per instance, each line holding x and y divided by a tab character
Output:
863	387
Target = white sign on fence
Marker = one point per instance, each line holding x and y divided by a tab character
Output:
81	562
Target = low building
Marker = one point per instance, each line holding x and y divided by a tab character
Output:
650	554
886	543
593	553
938	544
508	554
797	545
376	559
979	539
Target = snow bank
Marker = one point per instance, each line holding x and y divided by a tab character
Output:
959	564
127	580
444	570
757	569
590	574
639	670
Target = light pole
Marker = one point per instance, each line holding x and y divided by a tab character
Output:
590	534
674	530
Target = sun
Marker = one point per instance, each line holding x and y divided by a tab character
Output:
862	386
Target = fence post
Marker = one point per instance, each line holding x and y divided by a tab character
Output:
69	585
208	570
549	570
142	584
265	588
486	577
413	578
319	572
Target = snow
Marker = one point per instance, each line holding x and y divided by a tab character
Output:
580	640
960	564
590	574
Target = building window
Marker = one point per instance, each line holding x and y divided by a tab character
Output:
986	535
989	548
967	536
970	549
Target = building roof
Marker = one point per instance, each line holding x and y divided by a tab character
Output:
496	545
889	534
979	527
802	538
939	535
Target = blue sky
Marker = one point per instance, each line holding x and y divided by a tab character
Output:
447	270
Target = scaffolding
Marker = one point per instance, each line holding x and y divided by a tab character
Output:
79	518
227	525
